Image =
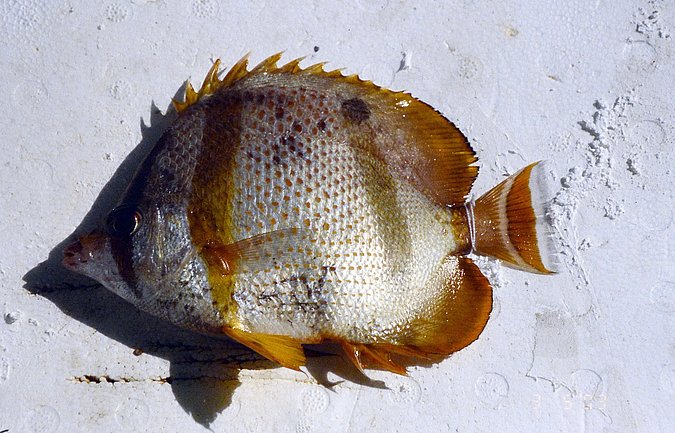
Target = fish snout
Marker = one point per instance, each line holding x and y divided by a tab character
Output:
81	251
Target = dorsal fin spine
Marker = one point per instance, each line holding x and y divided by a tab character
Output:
239	71
444	168
267	65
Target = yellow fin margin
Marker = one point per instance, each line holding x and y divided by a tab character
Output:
445	170
239	71
278	348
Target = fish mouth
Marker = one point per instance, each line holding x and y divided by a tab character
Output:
72	255
81	252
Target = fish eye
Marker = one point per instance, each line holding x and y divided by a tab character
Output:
123	221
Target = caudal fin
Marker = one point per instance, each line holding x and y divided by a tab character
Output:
511	222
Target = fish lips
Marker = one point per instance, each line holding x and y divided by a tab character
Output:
91	255
79	255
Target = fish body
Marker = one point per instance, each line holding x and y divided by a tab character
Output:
288	206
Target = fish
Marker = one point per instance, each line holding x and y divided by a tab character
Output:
288	206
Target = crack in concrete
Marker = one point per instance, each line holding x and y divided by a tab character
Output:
93	379
106	379
555	384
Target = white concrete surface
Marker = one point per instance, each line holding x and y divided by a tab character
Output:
587	85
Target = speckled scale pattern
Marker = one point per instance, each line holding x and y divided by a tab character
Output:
360	267
180	291
177	158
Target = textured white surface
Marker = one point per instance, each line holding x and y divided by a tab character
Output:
585	84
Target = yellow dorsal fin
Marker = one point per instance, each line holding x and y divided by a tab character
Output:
282	349
437	157
239	71
212	83
267	65
236	72
292	67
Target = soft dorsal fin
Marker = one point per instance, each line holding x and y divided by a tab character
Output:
428	149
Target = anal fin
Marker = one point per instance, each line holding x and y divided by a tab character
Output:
459	315
456	320
282	349
371	355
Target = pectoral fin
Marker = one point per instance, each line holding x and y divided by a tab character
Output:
256	252
284	350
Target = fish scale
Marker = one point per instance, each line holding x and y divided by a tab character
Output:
312	186
289	206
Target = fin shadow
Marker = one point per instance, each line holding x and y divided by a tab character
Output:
319	364
203	369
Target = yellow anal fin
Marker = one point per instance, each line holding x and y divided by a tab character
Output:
511	222
281	349
454	321
457	318
371	355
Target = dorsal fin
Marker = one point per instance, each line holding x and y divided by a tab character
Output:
437	157
212	83
428	149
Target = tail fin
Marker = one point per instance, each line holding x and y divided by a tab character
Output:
511	223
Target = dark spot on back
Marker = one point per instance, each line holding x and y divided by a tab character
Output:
322	124
355	110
